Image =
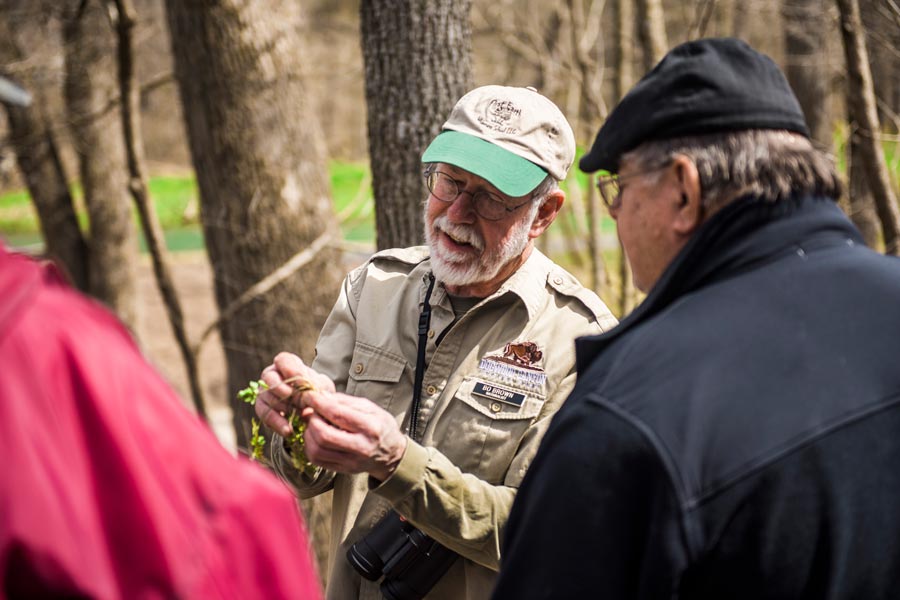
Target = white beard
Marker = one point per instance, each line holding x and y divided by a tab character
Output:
463	268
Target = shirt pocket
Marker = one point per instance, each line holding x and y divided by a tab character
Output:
483	433
375	374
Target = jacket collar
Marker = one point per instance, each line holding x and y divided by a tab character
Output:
739	237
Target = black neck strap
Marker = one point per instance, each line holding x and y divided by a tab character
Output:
424	322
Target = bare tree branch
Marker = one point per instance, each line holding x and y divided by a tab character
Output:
894	8
861	105
265	285
141	194
698	28
144	90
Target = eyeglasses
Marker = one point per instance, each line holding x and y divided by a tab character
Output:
488	206
610	187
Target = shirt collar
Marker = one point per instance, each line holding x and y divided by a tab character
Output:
527	283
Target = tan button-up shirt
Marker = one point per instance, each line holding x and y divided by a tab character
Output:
489	391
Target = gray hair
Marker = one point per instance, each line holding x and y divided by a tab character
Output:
545	188
770	164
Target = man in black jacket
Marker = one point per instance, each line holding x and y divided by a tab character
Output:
738	435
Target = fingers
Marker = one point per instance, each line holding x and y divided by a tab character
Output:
325	454
285	366
275	401
346	412
323	382
290	365
294	370
327	436
288	373
269	410
352	435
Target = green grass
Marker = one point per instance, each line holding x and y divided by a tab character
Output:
891	153
176	200
351	189
17	215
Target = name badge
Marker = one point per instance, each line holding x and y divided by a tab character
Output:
492	392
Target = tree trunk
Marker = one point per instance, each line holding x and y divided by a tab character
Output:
864	123
42	171
624	28
90	81
417	62
805	30
137	185
264	190
652	31
881	22
861	204
624	77
742	17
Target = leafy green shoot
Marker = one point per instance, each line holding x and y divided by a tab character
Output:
294	442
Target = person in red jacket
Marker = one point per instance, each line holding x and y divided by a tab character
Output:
110	487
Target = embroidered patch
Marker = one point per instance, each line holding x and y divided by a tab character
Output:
528	377
519	363
523	354
493	392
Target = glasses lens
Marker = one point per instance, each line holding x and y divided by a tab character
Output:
489	207
609	188
443	187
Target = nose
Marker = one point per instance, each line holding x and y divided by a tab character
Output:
462	209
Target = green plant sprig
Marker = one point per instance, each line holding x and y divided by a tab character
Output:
295	442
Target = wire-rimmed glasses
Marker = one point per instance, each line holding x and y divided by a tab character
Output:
487	205
609	184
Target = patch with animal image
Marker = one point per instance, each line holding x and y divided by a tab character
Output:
520	363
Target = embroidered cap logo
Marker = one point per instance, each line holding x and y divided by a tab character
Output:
499	115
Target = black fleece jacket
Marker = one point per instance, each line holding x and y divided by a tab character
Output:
737	436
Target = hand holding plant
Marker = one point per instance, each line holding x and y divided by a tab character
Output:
294	441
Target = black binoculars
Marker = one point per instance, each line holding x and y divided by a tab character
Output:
410	561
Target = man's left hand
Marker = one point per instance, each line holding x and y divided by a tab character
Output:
349	434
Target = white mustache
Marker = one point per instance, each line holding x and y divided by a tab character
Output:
461	233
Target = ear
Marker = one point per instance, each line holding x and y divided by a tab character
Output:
547	212
690	208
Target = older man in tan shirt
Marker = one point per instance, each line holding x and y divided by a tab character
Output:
440	366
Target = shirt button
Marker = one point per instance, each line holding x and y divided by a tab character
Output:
557	280
495	406
358	368
431	333
431	390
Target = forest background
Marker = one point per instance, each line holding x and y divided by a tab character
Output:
210	169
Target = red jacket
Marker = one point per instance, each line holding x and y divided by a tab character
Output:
109	487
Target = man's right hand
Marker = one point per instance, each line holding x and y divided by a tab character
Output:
275	402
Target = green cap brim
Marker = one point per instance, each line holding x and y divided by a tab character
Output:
511	174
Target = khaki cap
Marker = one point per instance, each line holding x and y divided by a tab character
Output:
513	137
